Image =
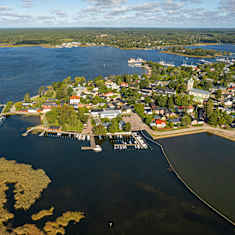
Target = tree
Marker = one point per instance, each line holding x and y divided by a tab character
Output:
139	109
41	91
144	83
209	108
148	119
170	103
127	127
7	107
79	80
228	119
18	106
213	118
162	100
99	130
60	93
147	100
67	80
186	120
114	127
69	91
27	98
218	94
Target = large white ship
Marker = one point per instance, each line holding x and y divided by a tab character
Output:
136	62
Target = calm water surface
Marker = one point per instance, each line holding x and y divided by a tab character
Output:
207	163
25	69
135	190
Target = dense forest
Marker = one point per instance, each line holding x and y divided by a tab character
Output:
117	37
196	52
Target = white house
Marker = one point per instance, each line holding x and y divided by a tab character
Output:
74	100
199	95
110	114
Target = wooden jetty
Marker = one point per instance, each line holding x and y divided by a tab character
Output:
93	146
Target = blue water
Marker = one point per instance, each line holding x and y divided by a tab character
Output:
135	190
25	69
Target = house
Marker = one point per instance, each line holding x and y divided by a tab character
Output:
111	85
32	110
160	123
159	110
79	90
175	121
194	122
110	114
26	104
124	84
49	105
74	100
181	109
53	128
108	94
126	110
199	95
228	102
95	113
148	110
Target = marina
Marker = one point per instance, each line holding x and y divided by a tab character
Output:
119	141
133	141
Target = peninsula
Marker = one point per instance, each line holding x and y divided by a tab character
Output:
195	52
166	101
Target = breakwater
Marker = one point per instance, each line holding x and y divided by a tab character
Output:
185	184
227	134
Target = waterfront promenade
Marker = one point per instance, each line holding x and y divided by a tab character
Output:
137	124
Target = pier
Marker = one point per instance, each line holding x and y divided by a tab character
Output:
93	146
129	140
74	135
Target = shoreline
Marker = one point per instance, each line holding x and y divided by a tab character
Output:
191	56
226	134
121	48
187	186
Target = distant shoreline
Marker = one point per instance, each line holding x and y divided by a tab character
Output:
192	56
133	48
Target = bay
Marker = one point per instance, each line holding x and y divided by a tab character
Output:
25	69
133	189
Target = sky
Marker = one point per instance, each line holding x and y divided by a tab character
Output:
117	13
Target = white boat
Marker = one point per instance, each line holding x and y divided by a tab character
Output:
134	61
166	64
97	148
2	118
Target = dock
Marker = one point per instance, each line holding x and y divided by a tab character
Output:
133	140
77	136
93	146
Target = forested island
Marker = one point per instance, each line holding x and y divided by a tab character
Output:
195	52
124	38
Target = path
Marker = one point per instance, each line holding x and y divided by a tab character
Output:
137	124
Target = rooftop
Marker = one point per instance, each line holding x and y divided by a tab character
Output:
200	91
